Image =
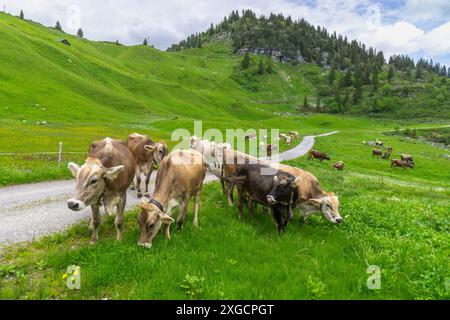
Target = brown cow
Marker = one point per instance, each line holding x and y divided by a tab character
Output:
377	153
147	155
103	180
312	198
339	165
401	163
313	154
407	158
179	178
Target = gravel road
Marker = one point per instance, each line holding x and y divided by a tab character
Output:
30	211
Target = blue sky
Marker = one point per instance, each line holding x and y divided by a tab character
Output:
413	27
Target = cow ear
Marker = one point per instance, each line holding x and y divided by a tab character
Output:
150	148
297	181
74	168
275	179
166	219
317	203
112	173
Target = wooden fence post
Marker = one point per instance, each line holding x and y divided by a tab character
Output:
60	154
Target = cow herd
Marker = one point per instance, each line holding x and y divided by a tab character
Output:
112	165
385	152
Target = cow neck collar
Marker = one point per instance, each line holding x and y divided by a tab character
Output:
157	204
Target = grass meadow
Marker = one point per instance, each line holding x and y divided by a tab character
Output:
394	219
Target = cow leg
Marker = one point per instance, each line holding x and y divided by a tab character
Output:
147	181
196	208
240	189
230	193
183	209
276	213
95	223
119	216
251	207
138	182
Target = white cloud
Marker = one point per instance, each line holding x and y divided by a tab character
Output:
169	21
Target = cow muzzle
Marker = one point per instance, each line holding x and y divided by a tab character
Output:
75	205
271	199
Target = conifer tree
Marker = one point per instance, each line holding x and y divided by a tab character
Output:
245	64
58	26
80	33
22	16
390	73
145	43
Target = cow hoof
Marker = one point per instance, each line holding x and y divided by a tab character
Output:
139	195
92	242
133	188
147	195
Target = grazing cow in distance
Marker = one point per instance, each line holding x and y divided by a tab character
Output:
339	166
103	180
314	154
147	155
377	153
312	198
379	143
286	138
294	134
401	163
407	158
179	178
386	155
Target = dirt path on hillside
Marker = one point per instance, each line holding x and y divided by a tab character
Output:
30	211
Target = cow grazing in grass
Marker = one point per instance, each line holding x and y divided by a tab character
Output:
180	177
147	155
407	158
386	155
339	166
103	180
377	153
294	135
401	163
269	187
312	198
313	154
379	143
286	138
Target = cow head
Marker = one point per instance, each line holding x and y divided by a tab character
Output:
282	188
91	182
150	220
158	151
329	205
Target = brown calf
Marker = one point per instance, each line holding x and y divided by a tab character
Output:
313	154
402	164
377	153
